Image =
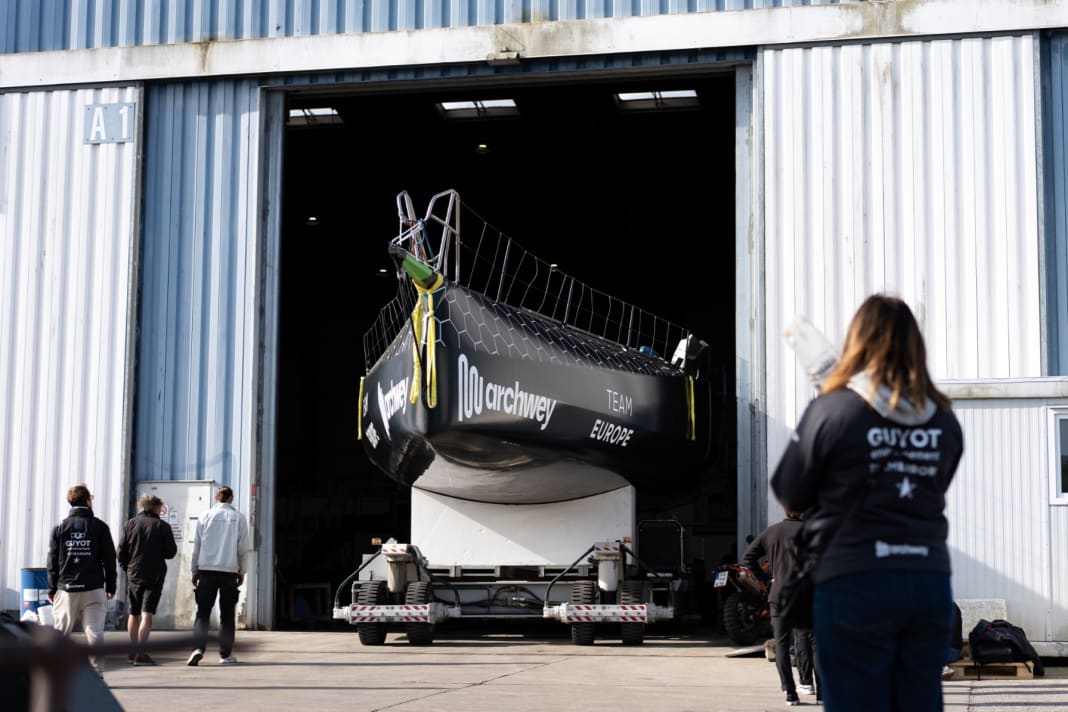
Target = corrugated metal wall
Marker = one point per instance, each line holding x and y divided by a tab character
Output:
1055	120
32	25
908	167
197	362
199	347
67	269
1006	539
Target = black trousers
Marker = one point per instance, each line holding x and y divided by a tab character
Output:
803	645
212	585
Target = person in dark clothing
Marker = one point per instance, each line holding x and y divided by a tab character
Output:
956	642
81	571
882	438
145	544
774	544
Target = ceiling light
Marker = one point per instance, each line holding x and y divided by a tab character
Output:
482	149
478	108
312	221
670	99
457	105
314	116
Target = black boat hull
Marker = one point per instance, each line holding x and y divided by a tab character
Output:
510	407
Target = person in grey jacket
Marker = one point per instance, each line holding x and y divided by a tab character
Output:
883	439
218	567
81	570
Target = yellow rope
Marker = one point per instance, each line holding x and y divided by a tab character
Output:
424	309
359	412
690	404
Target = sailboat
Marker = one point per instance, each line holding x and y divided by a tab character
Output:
493	376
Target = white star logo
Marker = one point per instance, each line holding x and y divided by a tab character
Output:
905	488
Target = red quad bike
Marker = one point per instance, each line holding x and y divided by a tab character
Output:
746	613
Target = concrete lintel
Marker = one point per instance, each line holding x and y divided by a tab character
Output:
532	40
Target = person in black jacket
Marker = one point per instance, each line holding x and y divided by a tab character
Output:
81	570
881	437
145	544
774	544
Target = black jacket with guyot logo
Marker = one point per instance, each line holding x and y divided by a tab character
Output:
81	554
850	446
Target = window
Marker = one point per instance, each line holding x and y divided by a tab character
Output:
1062	449
1059	451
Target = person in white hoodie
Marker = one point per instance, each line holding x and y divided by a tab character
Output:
869	464
218	565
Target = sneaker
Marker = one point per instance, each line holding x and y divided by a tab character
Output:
132	658
228	660
947	672
144	659
806	689
792	700
194	658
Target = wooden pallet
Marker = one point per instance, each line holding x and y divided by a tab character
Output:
968	670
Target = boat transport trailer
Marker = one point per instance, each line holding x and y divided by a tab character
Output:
524	410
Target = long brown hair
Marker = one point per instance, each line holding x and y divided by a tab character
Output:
884	341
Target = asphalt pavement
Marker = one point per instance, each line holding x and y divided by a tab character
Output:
473	670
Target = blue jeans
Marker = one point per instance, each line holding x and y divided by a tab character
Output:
881	640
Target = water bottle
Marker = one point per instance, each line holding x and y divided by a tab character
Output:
815	352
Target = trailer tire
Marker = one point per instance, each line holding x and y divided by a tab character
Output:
371	593
583	592
419	593
630	594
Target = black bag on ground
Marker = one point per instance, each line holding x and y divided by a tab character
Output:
999	641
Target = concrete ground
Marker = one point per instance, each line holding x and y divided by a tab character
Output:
476	671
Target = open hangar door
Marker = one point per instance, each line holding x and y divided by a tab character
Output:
633	197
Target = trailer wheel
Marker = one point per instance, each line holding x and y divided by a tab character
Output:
584	592
371	593
630	594
419	593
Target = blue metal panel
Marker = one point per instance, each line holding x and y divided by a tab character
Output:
1055	151
34	25
195	371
